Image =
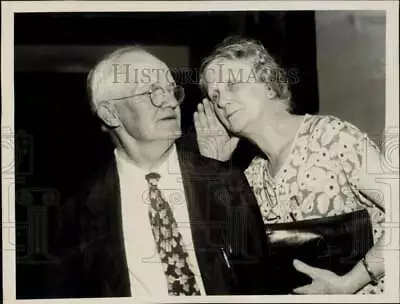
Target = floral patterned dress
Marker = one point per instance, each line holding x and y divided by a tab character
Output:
319	178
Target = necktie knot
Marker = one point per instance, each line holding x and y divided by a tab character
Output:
152	179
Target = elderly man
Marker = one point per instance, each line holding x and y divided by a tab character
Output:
156	220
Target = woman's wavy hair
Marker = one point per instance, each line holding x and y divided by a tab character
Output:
264	65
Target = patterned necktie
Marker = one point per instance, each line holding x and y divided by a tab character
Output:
169	243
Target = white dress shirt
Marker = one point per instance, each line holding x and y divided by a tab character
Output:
147	277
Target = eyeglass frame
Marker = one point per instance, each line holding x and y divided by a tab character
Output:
150	93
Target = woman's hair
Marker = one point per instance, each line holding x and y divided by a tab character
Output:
264	65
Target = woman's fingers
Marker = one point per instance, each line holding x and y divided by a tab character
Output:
202	117
209	113
212	138
196	121
200	122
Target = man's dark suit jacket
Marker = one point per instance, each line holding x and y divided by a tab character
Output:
227	229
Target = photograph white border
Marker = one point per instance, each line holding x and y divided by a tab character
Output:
392	284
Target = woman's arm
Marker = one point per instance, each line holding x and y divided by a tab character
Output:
367	271
369	181
371	184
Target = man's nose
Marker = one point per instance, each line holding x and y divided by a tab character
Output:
169	101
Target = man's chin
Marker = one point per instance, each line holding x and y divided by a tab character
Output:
176	134
172	135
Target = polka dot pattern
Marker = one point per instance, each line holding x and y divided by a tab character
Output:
318	179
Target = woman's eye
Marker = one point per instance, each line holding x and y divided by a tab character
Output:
231	85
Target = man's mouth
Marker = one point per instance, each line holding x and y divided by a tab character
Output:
169	117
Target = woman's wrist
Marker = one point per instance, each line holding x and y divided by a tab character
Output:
373	278
368	270
356	278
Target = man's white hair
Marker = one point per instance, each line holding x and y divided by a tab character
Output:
101	84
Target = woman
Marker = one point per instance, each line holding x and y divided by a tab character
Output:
312	166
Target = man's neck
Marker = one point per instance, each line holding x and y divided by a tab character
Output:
147	155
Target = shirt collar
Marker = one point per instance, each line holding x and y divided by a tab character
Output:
169	166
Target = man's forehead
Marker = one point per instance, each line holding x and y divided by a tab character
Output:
136	71
140	60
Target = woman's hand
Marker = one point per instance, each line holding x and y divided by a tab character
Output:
212	137
323	281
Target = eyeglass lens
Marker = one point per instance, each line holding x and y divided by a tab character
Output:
159	93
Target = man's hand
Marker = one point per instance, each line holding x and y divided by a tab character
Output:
212	137
323	281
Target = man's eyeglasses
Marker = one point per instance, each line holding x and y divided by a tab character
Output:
158	95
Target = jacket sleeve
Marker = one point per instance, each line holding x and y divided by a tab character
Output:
249	252
66	278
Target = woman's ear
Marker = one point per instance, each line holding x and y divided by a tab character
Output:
263	78
109	115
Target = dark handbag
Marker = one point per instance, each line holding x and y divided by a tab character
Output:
335	243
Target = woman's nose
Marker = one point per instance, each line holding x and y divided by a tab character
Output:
223	97
223	100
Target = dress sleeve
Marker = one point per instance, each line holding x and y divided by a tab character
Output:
362	164
362	161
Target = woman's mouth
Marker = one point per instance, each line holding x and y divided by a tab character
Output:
231	114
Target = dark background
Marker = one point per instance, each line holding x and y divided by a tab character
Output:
59	143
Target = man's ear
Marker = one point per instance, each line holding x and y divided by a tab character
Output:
109	115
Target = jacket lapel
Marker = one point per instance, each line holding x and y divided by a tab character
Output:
106	245
207	222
